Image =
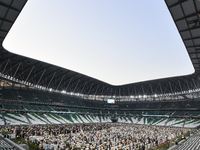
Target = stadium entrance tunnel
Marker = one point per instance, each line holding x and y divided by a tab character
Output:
114	119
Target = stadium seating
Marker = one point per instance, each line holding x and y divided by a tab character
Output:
140	121
9	94
161	122
84	119
193	143
11	106
54	119
35	102
5	146
175	122
134	119
15	119
35	119
31	107
1	120
192	123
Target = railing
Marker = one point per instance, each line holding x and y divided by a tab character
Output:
17	147
167	144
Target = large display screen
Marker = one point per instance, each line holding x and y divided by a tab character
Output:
111	101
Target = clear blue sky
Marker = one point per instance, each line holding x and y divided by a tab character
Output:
116	41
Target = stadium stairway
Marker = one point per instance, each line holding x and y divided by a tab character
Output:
151	122
36	118
2	120
184	122
27	118
166	122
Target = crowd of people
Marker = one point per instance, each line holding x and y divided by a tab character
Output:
109	136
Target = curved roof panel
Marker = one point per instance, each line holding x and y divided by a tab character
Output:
31	72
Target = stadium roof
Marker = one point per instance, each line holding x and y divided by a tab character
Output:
31	72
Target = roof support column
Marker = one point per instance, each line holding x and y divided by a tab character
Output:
152	90
5	66
83	87
180	86
51	79
68	84
76	86
60	82
161	89
187	84
29	74
171	87
135	91
194	83
129	94
90	89
17	69
143	92
41	76
96	91
102	91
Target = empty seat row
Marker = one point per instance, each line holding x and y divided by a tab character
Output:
192	143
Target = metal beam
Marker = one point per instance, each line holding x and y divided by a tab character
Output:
178	3
41	76
51	80
160	88
60	81
76	85
90	88
171	87
29	73
9	7
69	84
186	17
3	19
192	38
6	65
17	69
189	29
83	87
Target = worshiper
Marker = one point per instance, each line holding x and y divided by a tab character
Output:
176	141
97	136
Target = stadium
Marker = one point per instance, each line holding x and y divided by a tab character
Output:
35	95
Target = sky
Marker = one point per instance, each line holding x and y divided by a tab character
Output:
118	42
